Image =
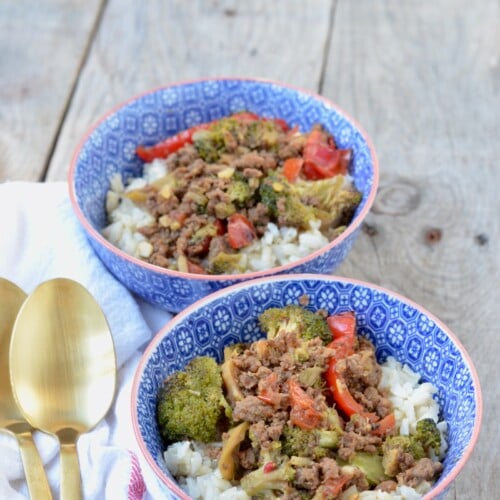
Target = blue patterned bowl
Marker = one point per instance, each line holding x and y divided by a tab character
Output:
397	327
109	147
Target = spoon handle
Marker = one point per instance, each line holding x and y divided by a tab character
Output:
38	485
71	486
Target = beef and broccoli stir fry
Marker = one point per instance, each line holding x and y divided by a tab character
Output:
299	412
227	180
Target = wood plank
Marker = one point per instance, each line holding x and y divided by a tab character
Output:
42	45
423	79
154	43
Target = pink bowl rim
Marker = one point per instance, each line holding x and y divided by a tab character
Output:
99	238
439	489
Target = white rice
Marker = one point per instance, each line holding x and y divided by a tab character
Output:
199	476
278	246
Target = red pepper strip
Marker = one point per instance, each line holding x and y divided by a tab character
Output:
343	398
292	168
343	328
385	426
303	414
194	268
281	123
321	157
240	231
245	116
170	144
343	325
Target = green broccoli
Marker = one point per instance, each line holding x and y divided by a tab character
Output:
427	433
394	447
212	142
269	479
238	189
307	324
283	203
225	263
191	402
297	204
262	134
315	443
329	199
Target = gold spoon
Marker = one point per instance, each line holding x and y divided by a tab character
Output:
63	368
11	419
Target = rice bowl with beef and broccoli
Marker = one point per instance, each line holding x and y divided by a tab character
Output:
240	194
306	412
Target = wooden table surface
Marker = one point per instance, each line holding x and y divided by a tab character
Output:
422	77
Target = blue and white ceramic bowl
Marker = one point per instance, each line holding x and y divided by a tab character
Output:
109	147
397	327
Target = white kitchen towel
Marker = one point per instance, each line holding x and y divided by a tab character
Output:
41	238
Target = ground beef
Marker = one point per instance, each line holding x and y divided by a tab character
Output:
351	442
252	409
308	478
423	470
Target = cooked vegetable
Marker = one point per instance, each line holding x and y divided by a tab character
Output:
427	433
191	402
343	329
228	460
321	157
371	465
268	480
314	443
394	447
284	434
292	318
169	145
240	230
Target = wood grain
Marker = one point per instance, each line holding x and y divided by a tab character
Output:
42	45
423	78
170	41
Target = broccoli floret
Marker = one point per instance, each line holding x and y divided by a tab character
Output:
315	443
269	479
294	318
394	447
238	189
329	201
428	435
225	263
283	203
212	142
332	202
262	134
191	402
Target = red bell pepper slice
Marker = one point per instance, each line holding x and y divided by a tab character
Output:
385	426
322	159
292	168
194	268
343	398
343	328
303	414
169	145
240	231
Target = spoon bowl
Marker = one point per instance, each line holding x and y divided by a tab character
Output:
11	418
63	368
